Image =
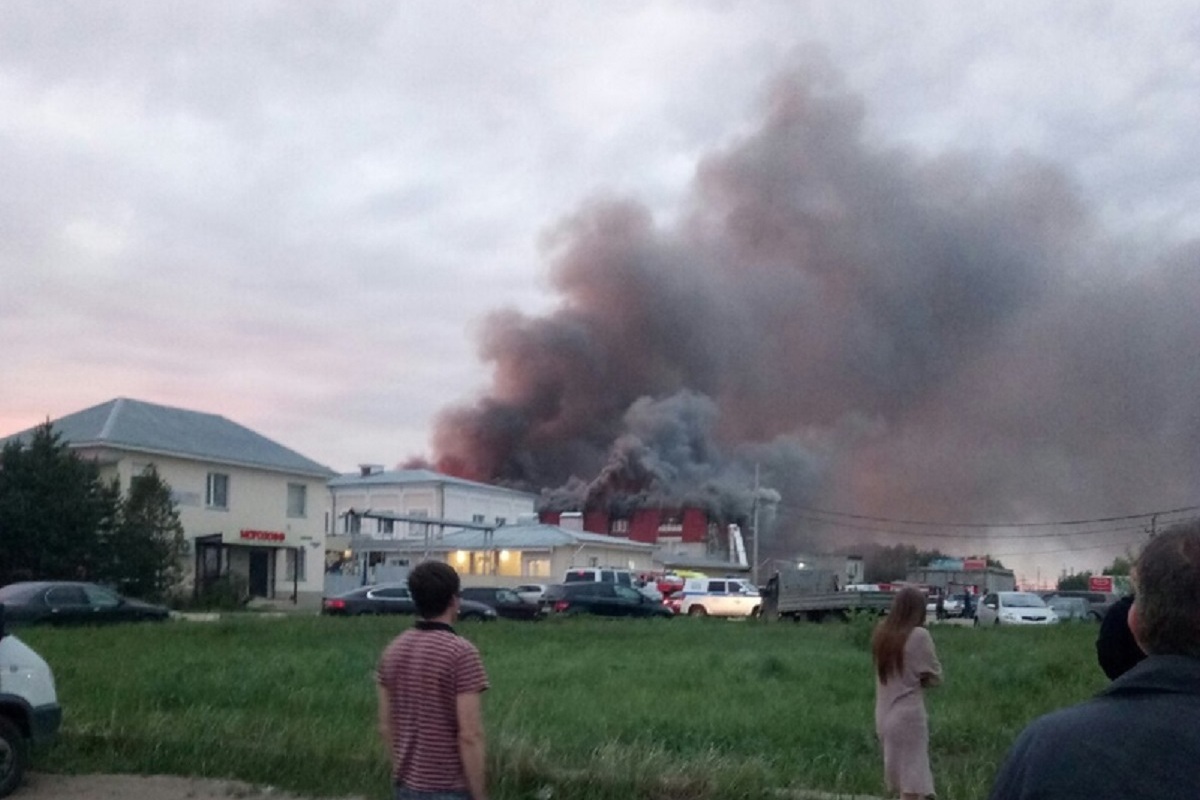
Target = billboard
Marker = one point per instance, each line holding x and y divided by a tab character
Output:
1100	583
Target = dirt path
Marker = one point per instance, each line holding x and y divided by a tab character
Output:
39	786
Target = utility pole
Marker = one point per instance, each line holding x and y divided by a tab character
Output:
754	556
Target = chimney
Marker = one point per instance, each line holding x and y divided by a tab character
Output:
366	470
571	520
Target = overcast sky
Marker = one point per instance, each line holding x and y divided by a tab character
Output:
297	215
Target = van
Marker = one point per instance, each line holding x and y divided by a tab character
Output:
621	577
29	710
720	597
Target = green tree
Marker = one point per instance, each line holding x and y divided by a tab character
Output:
53	510
1120	566
143	556
1076	582
60	521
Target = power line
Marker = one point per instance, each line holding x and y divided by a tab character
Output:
933	524
963	536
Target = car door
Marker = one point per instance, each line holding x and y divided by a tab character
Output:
67	604
989	609
391	600
716	600
107	606
627	602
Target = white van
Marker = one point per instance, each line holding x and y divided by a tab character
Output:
720	597
29	710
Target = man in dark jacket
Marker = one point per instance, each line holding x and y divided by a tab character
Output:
1139	737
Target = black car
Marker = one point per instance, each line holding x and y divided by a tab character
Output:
73	603
604	600
392	599
505	601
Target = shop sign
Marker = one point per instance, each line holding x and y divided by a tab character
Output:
974	564
264	536
1100	583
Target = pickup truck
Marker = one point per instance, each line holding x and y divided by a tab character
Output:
813	595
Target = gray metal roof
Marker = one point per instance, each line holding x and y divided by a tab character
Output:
125	424
510	537
411	477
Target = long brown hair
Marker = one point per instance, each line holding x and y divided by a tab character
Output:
887	643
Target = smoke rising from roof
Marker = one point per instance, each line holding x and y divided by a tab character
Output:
945	337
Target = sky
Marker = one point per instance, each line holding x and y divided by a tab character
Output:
356	227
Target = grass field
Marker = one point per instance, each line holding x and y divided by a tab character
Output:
681	709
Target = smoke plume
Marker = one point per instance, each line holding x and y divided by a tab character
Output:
930	338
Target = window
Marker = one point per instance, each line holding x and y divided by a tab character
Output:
620	526
353	523
500	521
297	503
66	596
387	526
295	569
217	494
477	518
101	598
418	528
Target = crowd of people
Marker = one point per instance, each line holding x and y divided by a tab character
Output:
1138	738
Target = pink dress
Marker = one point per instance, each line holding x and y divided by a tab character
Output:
900	719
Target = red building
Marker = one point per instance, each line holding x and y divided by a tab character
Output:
649	525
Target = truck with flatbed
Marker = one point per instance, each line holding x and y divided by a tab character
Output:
814	595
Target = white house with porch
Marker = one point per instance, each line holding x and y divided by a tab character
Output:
250	507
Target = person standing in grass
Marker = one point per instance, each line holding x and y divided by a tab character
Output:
1138	737
905	665
430	683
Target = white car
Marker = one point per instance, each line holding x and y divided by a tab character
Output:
531	592
1014	608
720	597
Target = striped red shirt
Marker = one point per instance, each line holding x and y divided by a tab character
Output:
424	670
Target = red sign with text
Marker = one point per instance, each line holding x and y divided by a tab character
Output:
1100	583
974	564
264	536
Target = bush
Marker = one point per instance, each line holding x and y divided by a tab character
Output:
226	593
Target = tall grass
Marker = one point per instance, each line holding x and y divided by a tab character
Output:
681	709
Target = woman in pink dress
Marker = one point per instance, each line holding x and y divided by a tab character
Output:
905	664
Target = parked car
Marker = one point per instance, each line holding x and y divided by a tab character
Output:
1075	608
531	592
621	577
1098	602
1014	608
73	603
29	710
506	602
720	597
386	598
603	599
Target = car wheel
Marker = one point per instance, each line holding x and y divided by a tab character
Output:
756	612
14	751
997	622
697	611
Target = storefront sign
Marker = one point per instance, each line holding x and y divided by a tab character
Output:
974	564
1100	583
264	536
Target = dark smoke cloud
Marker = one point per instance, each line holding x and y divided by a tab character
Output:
942	338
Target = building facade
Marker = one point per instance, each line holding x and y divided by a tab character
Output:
416	494
252	510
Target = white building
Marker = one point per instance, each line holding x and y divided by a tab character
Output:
417	493
249	507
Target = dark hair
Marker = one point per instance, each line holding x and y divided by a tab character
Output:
433	585
892	632
1116	650
1167	575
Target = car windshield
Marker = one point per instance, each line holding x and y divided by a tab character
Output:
1021	600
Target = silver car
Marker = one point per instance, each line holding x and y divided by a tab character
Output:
1014	608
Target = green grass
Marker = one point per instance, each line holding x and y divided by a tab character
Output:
681	709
